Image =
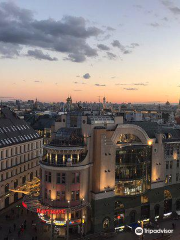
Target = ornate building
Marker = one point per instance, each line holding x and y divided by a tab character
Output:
100	174
20	152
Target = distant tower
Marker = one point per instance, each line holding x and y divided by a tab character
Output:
36	105
104	103
68	103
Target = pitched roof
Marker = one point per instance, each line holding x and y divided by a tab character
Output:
14	130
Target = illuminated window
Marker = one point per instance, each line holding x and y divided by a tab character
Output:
166	179
144	199
167	194
128	138
106	223
170	178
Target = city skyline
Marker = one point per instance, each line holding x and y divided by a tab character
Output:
55	49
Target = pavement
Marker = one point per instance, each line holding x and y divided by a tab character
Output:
9	226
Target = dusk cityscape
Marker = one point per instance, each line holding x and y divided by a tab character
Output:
89	120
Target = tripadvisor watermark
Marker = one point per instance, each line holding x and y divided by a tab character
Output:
140	231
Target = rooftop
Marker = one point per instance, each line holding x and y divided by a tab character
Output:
14	130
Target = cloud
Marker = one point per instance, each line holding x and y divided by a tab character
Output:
8	50
103	47
127	52
76	82
169	5
111	56
99	85
117	44
165	19
37	81
110	29
140	84
86	76
130	89
124	49
155	25
175	10
132	84
106	37
38	54
77	90
133	45
67	36
138	6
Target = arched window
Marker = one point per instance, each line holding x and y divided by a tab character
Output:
106	223
167	195
167	202
128	138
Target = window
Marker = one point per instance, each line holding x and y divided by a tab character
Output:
49	194
171	164
167	165
16	184
2	178
73	195
170	178
73	178
166	179
63	178
78	214
76	178
60	196
23	179
6	188
177	163
58	178
49	177
77	195
106	223
63	196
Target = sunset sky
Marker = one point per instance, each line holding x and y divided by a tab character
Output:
128	51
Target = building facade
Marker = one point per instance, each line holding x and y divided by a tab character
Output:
20	152
100	173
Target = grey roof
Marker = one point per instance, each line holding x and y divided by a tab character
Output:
153	128
14	130
43	123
